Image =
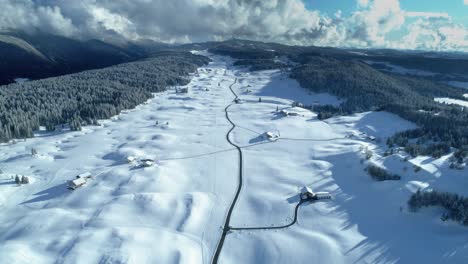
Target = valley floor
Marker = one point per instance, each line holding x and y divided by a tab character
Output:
174	212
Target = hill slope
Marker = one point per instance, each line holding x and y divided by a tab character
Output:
40	55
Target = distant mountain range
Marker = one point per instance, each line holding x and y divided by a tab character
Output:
40	55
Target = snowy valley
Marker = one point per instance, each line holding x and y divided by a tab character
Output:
177	209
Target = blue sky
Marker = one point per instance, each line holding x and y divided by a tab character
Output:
455	8
439	25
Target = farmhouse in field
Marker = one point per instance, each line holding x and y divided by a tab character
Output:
307	193
287	113
76	183
79	181
270	136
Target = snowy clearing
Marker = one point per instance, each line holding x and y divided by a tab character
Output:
21	80
446	100
174	210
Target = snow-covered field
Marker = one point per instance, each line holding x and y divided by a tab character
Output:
446	100
21	80
174	211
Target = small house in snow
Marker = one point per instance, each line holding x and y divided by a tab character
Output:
76	183
147	162
287	113
238	101
270	136
307	193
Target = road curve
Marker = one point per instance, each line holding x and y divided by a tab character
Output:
239	186
226	227
274	227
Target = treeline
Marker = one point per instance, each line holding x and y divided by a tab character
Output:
380	174
363	88
366	89
82	98
260	64
455	205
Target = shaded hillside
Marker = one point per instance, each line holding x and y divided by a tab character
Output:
41	55
364	88
81	98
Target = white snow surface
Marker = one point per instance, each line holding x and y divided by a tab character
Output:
446	100
174	211
21	80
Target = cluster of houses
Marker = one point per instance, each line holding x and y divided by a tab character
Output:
83	178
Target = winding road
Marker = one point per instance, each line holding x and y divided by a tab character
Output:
239	186
226	227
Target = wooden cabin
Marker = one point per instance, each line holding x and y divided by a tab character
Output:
307	193
270	136
76	183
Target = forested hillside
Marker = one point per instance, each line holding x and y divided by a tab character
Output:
81	98
40	55
363	88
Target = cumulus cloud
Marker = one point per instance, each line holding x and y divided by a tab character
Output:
286	21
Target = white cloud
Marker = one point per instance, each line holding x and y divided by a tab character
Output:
365	3
427	14
465	2
286	21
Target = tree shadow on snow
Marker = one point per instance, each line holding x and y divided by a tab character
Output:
48	194
117	158
390	235
9	182
22	156
257	139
